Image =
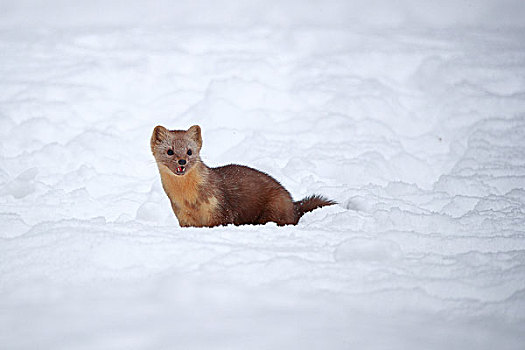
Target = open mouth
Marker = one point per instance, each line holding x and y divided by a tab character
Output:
180	170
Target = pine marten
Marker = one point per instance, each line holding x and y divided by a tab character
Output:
231	194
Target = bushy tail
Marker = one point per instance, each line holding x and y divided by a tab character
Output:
310	203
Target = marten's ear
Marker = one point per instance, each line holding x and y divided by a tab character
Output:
195	133
159	134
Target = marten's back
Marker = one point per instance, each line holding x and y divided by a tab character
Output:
251	195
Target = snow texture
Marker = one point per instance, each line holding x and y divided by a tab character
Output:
410	114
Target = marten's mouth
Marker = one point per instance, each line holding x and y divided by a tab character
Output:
180	170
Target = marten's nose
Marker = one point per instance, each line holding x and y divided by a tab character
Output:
182	161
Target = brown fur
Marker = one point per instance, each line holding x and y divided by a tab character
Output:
231	194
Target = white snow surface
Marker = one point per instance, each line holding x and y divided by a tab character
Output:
411	115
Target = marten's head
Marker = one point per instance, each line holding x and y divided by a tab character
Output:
178	150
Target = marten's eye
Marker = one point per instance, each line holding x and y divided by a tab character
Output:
189	152
170	152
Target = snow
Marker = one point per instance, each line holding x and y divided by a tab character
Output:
410	114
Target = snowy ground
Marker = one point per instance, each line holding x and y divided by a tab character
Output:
411	116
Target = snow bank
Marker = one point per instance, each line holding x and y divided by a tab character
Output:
410	115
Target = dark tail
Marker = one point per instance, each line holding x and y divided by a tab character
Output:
310	203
